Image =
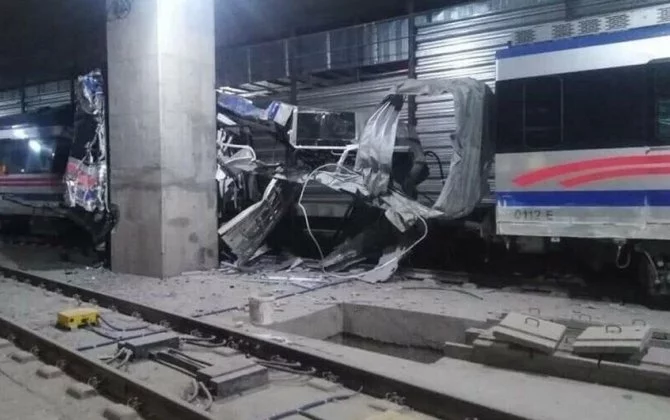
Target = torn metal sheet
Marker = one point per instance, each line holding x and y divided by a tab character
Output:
467	182
472	158
375	153
247	231
240	106
386	267
86	171
370	178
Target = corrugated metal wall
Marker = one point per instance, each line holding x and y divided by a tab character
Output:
33	97
360	97
356	46
455	42
466	46
462	41
10	102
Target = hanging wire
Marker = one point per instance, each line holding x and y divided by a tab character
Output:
352	176
210	400
191	396
439	162
123	329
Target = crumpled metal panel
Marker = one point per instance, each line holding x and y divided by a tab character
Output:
374	156
247	231
86	172
472	156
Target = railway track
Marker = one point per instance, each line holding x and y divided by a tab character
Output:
367	383
94	377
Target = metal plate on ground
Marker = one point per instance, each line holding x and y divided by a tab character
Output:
530	332
613	339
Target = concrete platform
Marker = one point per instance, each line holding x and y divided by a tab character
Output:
221	298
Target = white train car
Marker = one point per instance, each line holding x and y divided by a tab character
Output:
583	145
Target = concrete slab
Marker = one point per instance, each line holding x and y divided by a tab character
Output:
471	334
239	381
236	364
613	339
120	412
456	350
21	356
531	332
81	391
143	345
49	372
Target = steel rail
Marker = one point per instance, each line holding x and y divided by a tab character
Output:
373	383
109	382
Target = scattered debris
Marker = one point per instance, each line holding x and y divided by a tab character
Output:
260	309
372	179
446	289
275	338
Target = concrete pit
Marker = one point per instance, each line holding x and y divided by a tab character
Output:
416	336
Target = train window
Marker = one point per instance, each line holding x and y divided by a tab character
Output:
594	109
31	156
606	108
543	112
509	116
662	102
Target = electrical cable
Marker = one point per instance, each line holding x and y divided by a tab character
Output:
194	394
439	162
210	400
618	258
310	371
318	246
129	329
186	357
173	366
115	339
652	265
204	344
114	357
126	358
194	338
279	363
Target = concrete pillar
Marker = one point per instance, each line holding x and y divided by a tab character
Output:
162	136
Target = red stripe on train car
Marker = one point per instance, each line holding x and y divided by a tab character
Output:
615	173
543	174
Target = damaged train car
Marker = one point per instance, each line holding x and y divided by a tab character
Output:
581	135
380	165
53	168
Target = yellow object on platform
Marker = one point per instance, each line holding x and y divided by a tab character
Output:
77	317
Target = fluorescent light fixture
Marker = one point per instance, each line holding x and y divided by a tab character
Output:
20	133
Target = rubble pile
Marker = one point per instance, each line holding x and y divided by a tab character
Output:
365	169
